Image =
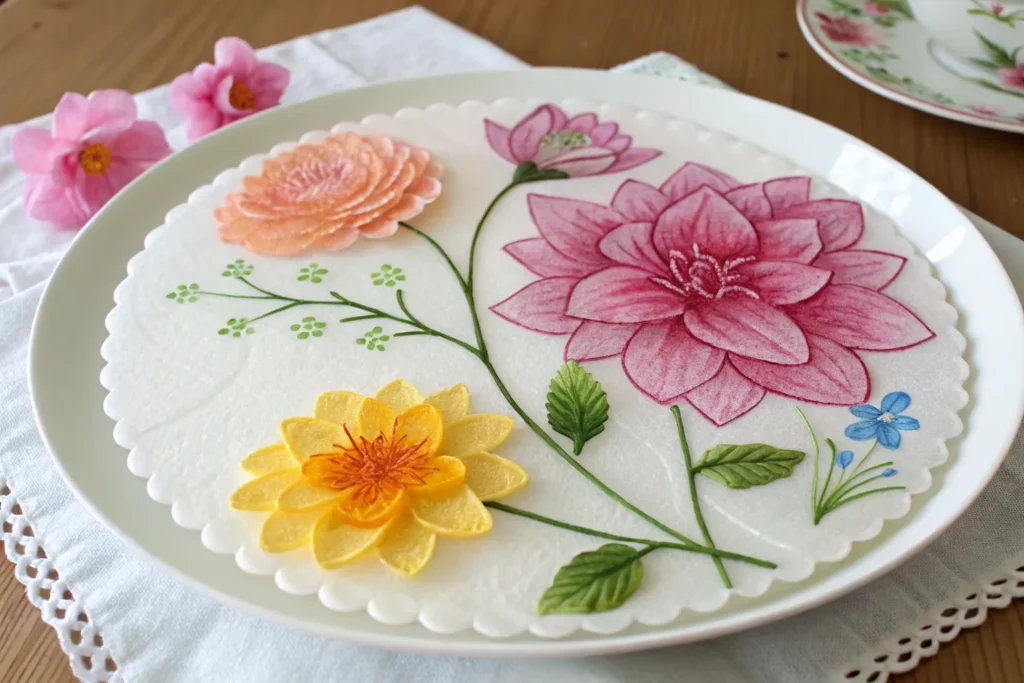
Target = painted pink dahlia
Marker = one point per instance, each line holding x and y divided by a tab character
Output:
713	291
1014	77
843	30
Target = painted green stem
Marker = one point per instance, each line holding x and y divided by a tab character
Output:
691	477
468	283
849	485
814	481
831	468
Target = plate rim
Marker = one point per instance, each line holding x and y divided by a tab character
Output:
589	644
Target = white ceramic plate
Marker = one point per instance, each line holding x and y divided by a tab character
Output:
67	395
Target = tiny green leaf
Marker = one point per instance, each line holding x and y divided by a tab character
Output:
303	278
594	581
295	327
317	333
577	405
303	335
223	330
1000	56
360	341
172	295
378	329
753	464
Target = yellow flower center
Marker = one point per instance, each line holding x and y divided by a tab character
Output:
241	97
95	158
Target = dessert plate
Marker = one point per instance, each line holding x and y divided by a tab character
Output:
880	46
109	490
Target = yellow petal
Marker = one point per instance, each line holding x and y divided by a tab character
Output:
336	542
453	403
444	479
492	477
308	436
270	459
475	433
283	531
406	547
339	406
375	418
262	493
303	495
461	514
367	511
420	425
399	396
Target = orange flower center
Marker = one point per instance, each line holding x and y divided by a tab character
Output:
241	97
371	469
95	158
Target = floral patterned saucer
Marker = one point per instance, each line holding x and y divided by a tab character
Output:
879	44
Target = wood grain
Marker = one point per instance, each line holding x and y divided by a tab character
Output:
50	46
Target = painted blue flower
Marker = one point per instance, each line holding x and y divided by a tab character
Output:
885	423
889	472
844	458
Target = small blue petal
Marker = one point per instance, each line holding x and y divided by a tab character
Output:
896	402
863	431
889	472
905	423
888	436
844	458
865	411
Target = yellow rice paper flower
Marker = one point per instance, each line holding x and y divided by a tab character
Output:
388	474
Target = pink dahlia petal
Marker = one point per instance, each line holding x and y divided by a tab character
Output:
784	282
540	306
691	177
664	361
622	294
619	143
70	116
593	340
603	133
860	318
832	374
581	162
751	200
35	151
632	244
524	140
109	110
632	157
52	203
789	239
584	123
497	137
871	269
573	227
840	221
705	220
143	141
546	261
236	56
639	201
725	396
749	327
783	193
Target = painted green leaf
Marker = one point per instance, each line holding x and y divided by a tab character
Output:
594	581
1000	56
753	464
577	405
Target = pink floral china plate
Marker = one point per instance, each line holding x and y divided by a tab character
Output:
879	45
530	367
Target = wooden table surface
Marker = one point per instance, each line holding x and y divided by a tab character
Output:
50	46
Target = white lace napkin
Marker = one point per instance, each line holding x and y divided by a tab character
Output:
157	629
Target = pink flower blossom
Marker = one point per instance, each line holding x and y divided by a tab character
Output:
874	8
843	30
1014	77
96	147
998	9
580	146
714	291
236	85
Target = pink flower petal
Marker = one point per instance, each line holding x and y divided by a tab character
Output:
833	375
748	327
726	396
540	306
840	221
268	81
639	201
632	158
202	125
546	261
189	97
69	117
783	193
497	137
664	361
622	294
96	190
524	140
109	110
619	143
122	172
603	133
593	340
584	123
632	244
236	56
789	239
871	269
750	200
52	203
860	318
691	177
784	282
222	99
35	151
143	141
705	220
573	227
582	162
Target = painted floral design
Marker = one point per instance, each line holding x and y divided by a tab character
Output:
388	474
578	146
714	291
324	196
849	32
884	423
1013	77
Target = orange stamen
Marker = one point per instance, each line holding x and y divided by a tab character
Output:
95	158
241	97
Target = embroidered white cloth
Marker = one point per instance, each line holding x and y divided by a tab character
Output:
157	629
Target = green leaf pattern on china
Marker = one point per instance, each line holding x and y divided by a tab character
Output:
594	581
236	327
577	405
185	294
239	268
312	273
752	464
374	339
309	328
387	276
